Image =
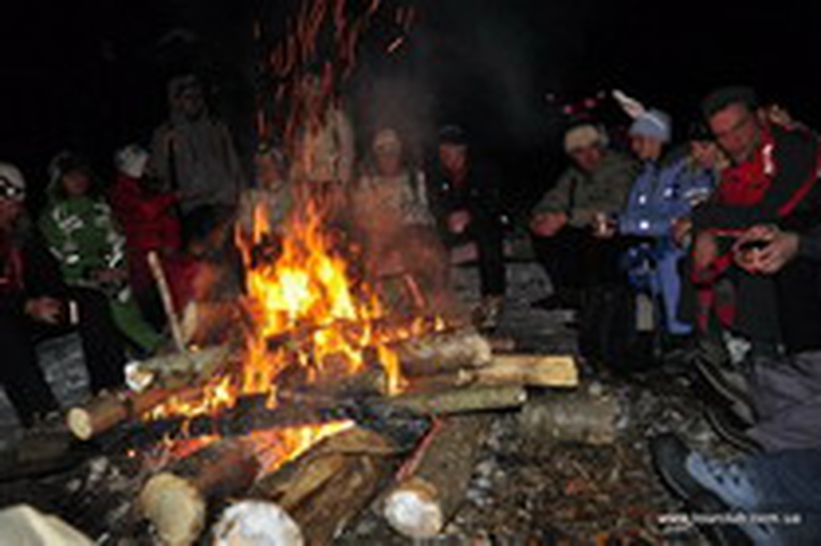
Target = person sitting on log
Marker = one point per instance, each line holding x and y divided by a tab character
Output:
664	192
465	200
35	302
80	230
594	187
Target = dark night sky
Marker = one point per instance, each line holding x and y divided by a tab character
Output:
88	75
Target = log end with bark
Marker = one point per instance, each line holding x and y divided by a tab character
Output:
413	510
431	486
176	501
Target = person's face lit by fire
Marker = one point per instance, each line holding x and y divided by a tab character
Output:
588	158
646	148
76	183
389	162
737	131
454	158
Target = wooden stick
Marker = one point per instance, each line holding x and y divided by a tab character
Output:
176	500
429	494
167	300
313	498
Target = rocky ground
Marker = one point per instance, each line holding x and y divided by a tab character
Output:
525	489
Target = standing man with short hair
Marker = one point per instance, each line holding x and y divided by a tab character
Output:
193	152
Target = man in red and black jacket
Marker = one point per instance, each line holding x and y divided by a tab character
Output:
772	180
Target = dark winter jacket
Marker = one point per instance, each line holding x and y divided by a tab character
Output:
478	194
27	271
778	185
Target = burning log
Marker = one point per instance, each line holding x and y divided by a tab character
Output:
313	498
443	352
432	487
108	410
511	370
176	500
176	371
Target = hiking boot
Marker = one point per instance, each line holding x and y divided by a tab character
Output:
731	429
730	385
670	457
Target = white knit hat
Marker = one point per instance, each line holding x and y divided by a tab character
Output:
132	160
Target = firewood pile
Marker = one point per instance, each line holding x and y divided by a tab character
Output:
409	456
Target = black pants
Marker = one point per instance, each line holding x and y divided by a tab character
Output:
490	245
576	261
21	374
22	377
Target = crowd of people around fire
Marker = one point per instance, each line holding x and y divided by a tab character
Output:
699	257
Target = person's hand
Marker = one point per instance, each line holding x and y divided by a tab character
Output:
682	228
458	221
781	247
46	310
604	227
548	224
778	115
705	250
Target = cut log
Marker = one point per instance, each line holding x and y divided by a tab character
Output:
110	409
464	400
511	370
581	416
439	353
318	494
432	487
176	500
